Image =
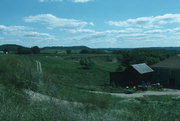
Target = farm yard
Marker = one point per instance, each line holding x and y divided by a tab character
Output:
62	88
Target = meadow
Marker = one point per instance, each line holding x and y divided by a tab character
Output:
64	78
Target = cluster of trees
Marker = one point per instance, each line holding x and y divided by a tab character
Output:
127	57
86	63
32	50
92	51
149	56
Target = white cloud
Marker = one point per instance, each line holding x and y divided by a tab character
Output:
50	1
13	28
139	32
81	1
128	37
148	22
75	1
54	22
37	35
23	32
79	31
163	31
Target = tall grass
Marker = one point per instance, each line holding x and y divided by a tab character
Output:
19	72
16	106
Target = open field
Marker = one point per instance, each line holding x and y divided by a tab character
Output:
64	79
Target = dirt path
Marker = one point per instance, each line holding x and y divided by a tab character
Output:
141	94
39	67
37	97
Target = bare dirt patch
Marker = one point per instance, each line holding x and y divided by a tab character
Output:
142	94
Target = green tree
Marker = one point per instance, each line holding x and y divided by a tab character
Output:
86	63
152	60
84	51
23	50
120	68
68	51
35	50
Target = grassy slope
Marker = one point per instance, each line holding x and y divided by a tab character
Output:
70	72
15	106
60	79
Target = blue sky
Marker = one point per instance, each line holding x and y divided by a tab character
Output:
93	23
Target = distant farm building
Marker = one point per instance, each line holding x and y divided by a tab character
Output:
4	52
167	72
132	76
1	52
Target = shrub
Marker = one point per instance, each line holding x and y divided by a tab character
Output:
84	51
35	50
120	68
86	63
68	51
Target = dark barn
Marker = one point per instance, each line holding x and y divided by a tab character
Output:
167	72
132	76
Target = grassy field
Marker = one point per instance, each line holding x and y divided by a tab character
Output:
64	78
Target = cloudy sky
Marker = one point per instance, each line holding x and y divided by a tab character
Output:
93	23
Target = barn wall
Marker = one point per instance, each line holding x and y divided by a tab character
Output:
118	78
132	76
137	78
176	75
129	77
165	76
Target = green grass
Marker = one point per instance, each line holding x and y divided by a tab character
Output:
70	72
16	106
64	79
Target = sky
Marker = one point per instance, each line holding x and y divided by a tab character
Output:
92	23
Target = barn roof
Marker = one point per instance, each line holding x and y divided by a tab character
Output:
142	68
171	63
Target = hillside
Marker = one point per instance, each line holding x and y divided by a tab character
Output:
9	47
66	82
65	48
13	47
160	48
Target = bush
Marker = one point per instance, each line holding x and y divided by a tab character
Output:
86	63
68	51
120	68
35	50
84	51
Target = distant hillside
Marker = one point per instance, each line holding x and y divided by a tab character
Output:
165	48
13	47
65	48
168	48
9	47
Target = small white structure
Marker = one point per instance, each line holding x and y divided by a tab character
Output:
1	52
4	52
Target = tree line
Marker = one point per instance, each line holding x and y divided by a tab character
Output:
24	50
127	57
